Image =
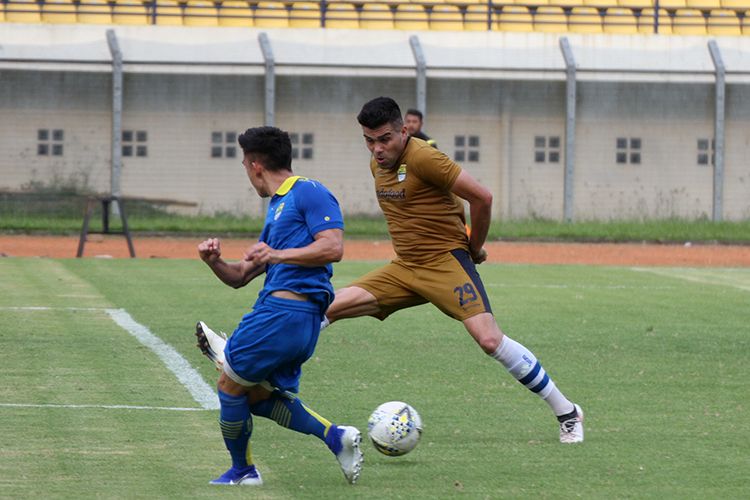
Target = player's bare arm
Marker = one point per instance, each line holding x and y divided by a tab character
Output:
480	210
234	274
328	247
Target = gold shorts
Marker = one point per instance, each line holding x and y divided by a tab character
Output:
450	282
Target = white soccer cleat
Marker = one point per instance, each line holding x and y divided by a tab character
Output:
350	457
571	430
211	344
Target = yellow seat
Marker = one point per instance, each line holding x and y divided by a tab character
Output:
477	18
444	17
703	4
585	20
376	16
723	22
568	3
59	11
735	4
746	23
130	12
235	13
672	4
550	19
342	15
168	13
515	18
647	18
635	4
23	11
598	3
270	14
619	20
200	13
305	15
94	12
411	17
688	22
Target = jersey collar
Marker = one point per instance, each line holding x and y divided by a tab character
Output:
286	186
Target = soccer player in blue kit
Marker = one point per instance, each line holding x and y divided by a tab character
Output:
261	364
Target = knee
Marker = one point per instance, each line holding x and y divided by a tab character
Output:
489	343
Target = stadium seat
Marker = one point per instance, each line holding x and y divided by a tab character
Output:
410	17
59	12
646	22
342	15
550	19
688	22
446	18
94	12
269	14
477	17
723	22
619	20
130	12
672	4
304	15
739	5
597	3
515	18
235	13
23	11
168	13
746	23
585	20
703	4
635	4
568	3
376	16
200	13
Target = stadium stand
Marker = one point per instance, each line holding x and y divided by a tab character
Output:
200	13
94	12
477	17
723	22
689	22
649	23
23	11
585	20
376	16
271	14
168	13
620	20
409	16
444	17
305	15
515	18
550	19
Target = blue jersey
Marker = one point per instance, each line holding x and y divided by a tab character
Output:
300	209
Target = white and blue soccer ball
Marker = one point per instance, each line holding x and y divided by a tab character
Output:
394	428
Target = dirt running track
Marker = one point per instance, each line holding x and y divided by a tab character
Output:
508	252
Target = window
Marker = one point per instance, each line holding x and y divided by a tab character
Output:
705	153
466	148
50	142
547	149
134	143
628	151
302	145
223	144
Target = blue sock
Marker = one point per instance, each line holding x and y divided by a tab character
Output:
289	411
236	427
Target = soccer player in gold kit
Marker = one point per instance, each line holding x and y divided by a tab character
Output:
420	191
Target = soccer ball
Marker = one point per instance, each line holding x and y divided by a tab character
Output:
394	428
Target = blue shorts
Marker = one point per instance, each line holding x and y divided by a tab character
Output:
271	343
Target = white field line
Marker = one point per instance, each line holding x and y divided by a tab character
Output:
202	393
46	308
106	407
703	276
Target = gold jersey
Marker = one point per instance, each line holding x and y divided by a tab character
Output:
424	218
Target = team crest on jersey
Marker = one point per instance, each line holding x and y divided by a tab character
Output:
277	214
401	173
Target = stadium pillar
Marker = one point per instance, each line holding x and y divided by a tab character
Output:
719	120
270	94
570	128
116	167
416	49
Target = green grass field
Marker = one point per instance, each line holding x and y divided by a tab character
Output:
656	357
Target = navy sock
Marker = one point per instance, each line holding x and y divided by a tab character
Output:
236	427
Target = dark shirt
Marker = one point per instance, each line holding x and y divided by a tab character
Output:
426	138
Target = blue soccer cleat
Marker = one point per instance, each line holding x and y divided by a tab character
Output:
246	476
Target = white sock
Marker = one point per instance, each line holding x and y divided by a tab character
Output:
523	365
324	323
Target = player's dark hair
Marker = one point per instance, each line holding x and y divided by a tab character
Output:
380	111
270	144
415	112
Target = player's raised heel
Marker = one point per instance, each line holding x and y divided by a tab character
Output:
349	455
211	344
571	430
246	476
